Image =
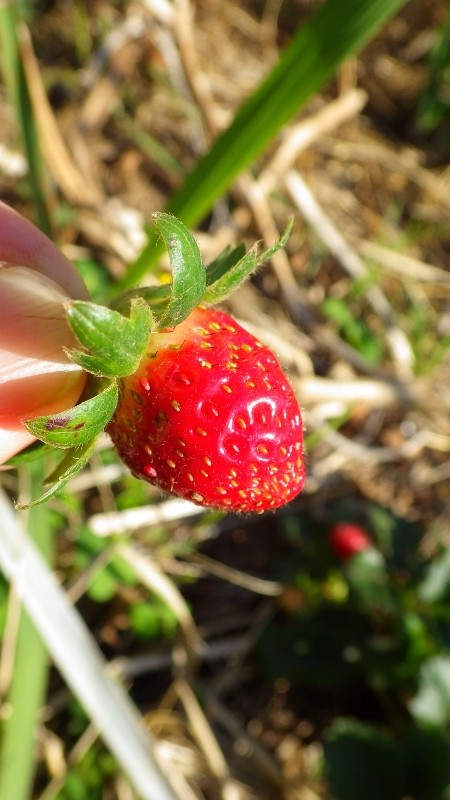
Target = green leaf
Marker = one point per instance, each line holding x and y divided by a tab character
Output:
145	620
431	705
229	281
78	425
74	460
151	619
224	262
116	343
123	571
436	584
103	586
363	762
188	270
157	297
427	755
334	32
367	576
312	649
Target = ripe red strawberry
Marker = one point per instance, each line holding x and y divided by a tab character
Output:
347	539
210	416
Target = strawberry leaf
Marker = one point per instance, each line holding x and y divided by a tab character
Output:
227	283
223	263
188	270
116	343
78	425
157	297
74	460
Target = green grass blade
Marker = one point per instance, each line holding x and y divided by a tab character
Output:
74	652
338	29
15	82
25	699
27	691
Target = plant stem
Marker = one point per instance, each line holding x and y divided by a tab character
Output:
14	78
29	676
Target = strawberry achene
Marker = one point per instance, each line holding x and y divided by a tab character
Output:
210	416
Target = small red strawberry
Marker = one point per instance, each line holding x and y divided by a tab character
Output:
347	539
210	416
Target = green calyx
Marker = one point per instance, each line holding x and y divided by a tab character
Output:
193	282
114	340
